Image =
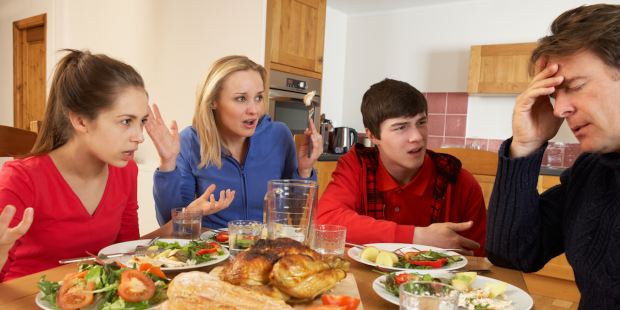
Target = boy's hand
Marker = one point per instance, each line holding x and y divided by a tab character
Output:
444	235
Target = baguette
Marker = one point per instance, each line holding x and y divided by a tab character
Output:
199	290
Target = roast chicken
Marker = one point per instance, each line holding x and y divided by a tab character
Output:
284	268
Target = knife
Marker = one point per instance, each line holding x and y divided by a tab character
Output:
141	253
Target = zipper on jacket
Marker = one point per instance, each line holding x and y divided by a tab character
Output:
245	200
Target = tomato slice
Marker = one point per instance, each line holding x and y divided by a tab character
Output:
135	286
350	303
403	277
411	257
71	294
222	237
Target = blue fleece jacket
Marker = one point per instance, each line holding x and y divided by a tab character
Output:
271	155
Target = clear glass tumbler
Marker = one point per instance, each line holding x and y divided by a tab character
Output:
242	234
186	223
291	209
420	295
330	239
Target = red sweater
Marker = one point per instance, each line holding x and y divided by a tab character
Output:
345	200
62	228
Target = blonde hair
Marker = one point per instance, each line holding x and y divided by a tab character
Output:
208	90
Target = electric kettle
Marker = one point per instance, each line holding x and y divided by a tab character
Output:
344	138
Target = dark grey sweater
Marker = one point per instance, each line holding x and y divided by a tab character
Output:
580	217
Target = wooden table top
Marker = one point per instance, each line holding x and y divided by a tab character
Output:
20	293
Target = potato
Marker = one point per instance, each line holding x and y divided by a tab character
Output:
461	285
385	259
471	274
370	253
153	248
498	288
164	253
394	257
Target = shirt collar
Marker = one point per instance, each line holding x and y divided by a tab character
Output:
417	186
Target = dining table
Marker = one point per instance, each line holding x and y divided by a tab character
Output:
21	293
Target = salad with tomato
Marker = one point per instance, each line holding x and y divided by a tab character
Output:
222	238
103	286
426	260
175	255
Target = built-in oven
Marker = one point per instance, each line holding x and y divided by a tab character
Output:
286	100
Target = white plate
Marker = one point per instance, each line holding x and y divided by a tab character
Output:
130	246
354	253
520	299
206	235
44	304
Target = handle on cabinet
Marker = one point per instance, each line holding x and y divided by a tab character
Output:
321	60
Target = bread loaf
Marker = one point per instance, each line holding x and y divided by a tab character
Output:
199	290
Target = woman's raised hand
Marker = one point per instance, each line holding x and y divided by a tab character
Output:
167	142
8	236
304	164
209	205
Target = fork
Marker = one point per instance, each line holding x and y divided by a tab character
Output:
144	248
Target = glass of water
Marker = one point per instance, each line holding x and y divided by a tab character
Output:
329	240
186	223
421	295
242	234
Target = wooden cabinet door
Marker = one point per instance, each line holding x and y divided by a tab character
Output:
298	32
499	69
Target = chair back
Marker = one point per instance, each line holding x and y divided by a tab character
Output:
481	164
15	141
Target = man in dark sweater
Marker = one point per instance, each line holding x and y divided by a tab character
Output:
579	66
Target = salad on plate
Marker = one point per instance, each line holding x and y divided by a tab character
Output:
489	297
175	255
104	286
428	259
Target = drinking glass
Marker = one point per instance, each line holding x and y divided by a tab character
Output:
186	223
420	295
329	240
242	234
291	209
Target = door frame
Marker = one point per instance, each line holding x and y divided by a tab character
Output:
19	31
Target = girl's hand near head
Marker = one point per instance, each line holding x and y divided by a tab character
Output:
167	142
304	164
8	236
209	205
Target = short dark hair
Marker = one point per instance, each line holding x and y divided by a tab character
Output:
389	99
594	27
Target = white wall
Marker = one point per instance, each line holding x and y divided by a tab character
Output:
333	68
429	48
170	43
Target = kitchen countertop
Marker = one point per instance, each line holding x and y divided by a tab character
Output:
329	157
548	170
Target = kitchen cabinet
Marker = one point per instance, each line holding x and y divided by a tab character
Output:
295	36
324	170
499	69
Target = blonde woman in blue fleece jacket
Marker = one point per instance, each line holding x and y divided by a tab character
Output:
231	145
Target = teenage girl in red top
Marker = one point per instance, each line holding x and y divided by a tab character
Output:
80	178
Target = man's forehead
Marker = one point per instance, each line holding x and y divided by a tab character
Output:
403	119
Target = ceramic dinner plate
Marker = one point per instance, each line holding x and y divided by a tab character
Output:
130	246
44	304
520	299
354	253
206	235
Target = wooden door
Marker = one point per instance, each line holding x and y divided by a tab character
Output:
29	70
298	32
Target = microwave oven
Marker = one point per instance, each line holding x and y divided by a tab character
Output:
286	100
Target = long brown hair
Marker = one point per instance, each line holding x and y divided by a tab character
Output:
208	90
594	27
85	84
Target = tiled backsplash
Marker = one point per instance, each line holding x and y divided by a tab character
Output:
447	119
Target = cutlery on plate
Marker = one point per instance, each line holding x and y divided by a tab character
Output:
355	245
78	259
144	248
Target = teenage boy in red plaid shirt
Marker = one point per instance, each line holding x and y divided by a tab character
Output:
398	191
